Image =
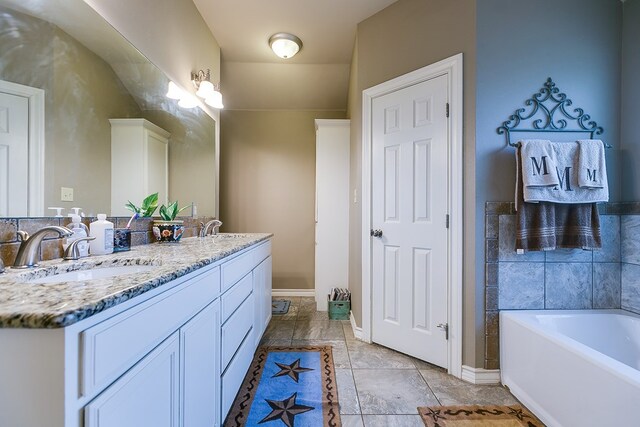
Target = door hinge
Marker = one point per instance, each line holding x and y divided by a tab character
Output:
445	328
447	221
447	109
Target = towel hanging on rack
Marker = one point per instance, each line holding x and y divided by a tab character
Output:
547	226
561	160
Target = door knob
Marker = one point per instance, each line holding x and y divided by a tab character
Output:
376	233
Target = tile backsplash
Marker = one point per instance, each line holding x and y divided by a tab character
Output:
51	247
562	279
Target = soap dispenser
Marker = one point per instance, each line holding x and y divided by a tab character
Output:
79	230
102	230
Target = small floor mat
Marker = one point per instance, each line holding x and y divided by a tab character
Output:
478	416
292	386
280	306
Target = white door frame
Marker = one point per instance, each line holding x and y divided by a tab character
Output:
35	97
452	68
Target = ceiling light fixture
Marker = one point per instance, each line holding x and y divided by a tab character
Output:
207	90
285	45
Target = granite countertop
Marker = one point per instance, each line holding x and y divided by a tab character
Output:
56	305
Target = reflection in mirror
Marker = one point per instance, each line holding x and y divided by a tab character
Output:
61	62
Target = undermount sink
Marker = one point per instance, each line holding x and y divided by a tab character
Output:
95	273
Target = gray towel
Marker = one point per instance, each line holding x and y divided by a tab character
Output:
538	163
592	169
567	190
546	226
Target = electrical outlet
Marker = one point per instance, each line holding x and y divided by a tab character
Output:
66	194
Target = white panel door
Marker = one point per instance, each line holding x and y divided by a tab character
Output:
14	155
409	206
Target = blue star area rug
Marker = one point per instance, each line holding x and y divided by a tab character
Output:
288	386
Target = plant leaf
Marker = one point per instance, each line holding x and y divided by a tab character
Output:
149	205
163	213
133	208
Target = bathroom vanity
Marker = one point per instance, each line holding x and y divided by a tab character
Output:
164	345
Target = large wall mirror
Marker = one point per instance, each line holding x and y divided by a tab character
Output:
64	73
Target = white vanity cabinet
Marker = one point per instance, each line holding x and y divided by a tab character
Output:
174	356
139	163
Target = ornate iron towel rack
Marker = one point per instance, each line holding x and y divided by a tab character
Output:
549	114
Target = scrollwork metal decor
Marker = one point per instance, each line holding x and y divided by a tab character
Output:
550	112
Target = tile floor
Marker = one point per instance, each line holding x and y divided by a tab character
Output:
376	386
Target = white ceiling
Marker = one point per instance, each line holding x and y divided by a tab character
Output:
317	78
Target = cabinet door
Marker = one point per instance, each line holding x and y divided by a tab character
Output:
262	295
147	395
199	340
266	297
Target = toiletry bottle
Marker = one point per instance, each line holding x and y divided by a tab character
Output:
79	230
102	230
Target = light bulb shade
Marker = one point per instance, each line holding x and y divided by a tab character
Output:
205	89
215	100
188	101
285	45
174	91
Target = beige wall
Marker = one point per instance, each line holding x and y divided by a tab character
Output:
267	184
408	35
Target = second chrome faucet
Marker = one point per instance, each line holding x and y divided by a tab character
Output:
214	224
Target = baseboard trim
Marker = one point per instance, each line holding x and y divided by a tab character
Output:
293	292
357	331
480	375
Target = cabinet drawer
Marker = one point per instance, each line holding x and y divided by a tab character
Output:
235	329
236	269
233	376
113	346
261	252
232	299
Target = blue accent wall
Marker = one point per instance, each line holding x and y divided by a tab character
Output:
520	44
630	131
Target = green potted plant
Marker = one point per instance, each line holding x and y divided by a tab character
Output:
122	236
168	229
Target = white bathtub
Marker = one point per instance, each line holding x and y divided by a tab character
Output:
573	368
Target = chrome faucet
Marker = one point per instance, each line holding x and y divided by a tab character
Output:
214	224
28	252
72	253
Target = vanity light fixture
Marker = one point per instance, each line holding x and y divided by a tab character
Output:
188	101
285	45
207	90
185	99
174	91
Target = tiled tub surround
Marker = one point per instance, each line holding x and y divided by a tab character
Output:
55	305
560	279
51	247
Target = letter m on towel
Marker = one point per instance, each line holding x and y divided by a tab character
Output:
591	175
540	166
564	178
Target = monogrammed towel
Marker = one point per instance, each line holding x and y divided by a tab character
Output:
546	226
538	163
592	169
567	190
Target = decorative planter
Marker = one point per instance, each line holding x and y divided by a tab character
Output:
168	231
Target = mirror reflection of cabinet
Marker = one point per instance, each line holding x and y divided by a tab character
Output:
139	164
